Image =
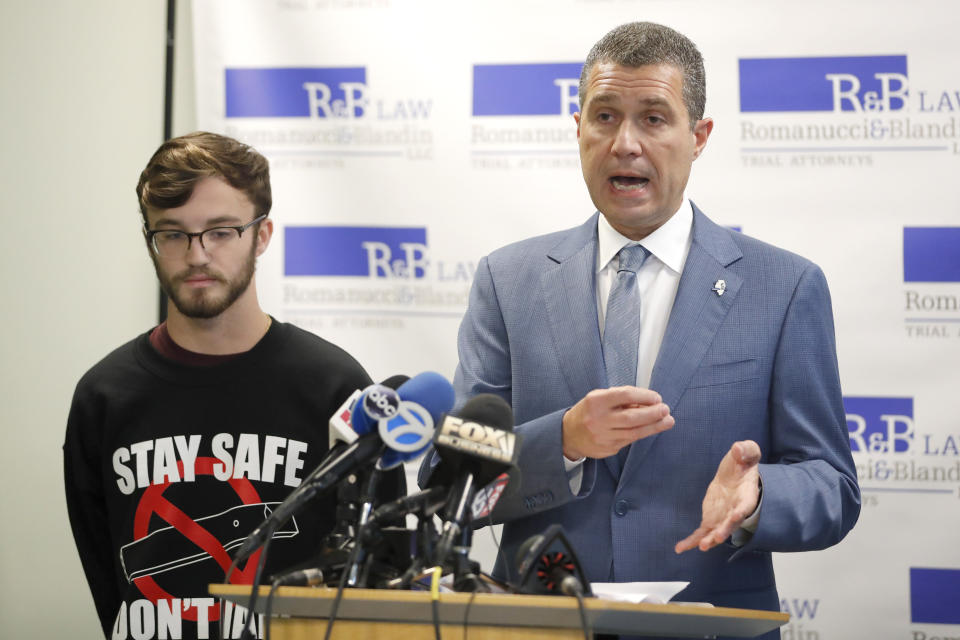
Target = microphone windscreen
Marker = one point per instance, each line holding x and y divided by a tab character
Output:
479	439
547	564
488	409
522	560
431	391
394	382
423	401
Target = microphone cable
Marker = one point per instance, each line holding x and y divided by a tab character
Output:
549	569
255	590
341	587
473	594
435	600
233	566
496	540
466	613
269	608
582	606
301	577
223	606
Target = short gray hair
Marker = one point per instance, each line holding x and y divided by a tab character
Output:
638	44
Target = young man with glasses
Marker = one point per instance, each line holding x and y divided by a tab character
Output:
180	442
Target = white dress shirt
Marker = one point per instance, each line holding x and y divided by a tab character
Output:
657	279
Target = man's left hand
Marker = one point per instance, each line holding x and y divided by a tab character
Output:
731	497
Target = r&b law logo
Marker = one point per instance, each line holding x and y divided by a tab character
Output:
522	115
880	425
358	271
931	276
934	598
890	451
313	92
803	623
869	103
526	89
287	110
851	84
297	93
370	252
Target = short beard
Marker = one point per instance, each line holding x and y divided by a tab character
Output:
202	306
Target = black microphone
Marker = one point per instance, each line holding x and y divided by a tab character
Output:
428	501
547	564
301	578
475	448
323	477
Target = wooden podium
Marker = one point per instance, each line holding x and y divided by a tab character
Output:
366	614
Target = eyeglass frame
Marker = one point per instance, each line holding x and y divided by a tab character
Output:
150	234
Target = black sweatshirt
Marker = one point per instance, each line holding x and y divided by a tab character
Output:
168	467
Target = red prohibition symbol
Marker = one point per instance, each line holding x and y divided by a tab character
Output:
153	502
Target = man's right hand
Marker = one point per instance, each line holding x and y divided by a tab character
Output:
606	420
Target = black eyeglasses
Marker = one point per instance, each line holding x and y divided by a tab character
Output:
168	243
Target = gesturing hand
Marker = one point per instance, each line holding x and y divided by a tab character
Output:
731	497
606	420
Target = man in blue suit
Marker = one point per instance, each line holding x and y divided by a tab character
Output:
719	424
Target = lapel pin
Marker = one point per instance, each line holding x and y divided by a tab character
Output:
719	287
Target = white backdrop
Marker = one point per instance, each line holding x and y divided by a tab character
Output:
405	145
76	279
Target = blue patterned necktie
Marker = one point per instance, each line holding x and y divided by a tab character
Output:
621	332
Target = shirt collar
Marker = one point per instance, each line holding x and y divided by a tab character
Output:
668	243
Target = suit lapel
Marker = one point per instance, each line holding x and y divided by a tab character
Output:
696	316
572	314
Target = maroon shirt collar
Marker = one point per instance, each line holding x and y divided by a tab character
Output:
161	341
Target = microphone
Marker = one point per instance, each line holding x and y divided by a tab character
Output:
302	578
488	497
422	400
339	428
347	424
475	448
428	501
375	403
405	422
548	565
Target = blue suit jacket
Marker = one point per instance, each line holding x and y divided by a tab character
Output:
758	362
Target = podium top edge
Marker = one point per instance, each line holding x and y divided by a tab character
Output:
500	600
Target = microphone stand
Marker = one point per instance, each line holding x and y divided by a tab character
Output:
356	577
466	572
336	546
426	539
